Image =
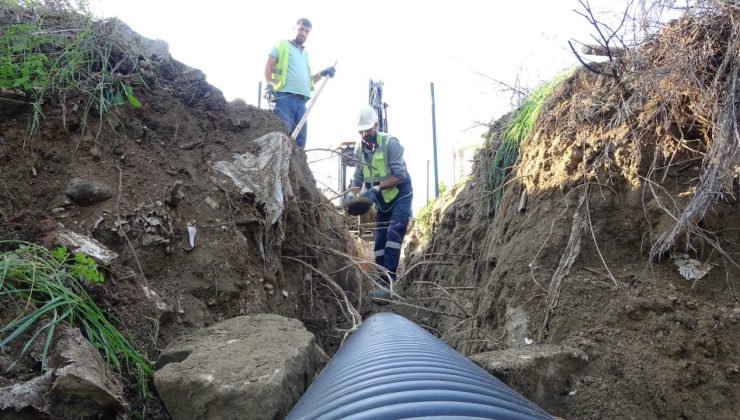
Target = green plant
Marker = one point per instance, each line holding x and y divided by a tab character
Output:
45	290
40	61
424	218
84	267
518	128
81	266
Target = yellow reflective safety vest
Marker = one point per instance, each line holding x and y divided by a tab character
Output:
377	170
280	69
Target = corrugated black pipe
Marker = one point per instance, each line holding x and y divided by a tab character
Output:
390	368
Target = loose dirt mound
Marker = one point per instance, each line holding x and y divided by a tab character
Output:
157	161
624	175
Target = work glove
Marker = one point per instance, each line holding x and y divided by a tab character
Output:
328	72
372	193
269	93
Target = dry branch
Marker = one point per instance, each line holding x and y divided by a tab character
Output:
352	314
566	261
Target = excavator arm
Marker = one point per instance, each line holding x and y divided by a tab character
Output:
375	98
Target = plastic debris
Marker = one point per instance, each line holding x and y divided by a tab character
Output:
689	268
191	236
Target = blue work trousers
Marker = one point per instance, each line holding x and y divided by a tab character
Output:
391	220
290	107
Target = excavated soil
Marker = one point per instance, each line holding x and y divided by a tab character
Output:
568	264
569	257
157	289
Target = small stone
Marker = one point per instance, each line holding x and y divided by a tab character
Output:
95	152
269	287
285	293
213	203
85	192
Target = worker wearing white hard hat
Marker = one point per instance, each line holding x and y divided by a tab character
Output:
368	118
383	175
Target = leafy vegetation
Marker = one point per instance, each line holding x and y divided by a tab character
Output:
38	62
82	267
46	288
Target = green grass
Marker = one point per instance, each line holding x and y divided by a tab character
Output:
46	288
424	218
514	134
41	61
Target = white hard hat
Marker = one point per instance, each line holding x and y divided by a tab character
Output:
368	118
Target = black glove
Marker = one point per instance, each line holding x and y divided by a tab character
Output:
269	93
329	71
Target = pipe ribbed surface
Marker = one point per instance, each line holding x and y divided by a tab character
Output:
390	368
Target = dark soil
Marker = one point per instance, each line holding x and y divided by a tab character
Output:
240	264
659	346
566	257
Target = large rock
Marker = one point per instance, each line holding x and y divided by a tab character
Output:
544	373
248	367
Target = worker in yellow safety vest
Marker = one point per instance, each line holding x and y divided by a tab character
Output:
383	175
289	79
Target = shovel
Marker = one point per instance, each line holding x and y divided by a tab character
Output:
358	206
310	107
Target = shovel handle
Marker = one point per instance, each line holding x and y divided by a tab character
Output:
310	106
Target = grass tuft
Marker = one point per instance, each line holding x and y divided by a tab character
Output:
516	131
40	60
46	288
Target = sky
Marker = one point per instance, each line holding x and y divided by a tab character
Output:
466	48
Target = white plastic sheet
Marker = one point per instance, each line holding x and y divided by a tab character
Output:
265	174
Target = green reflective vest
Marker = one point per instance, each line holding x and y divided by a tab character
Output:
280	69
377	170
